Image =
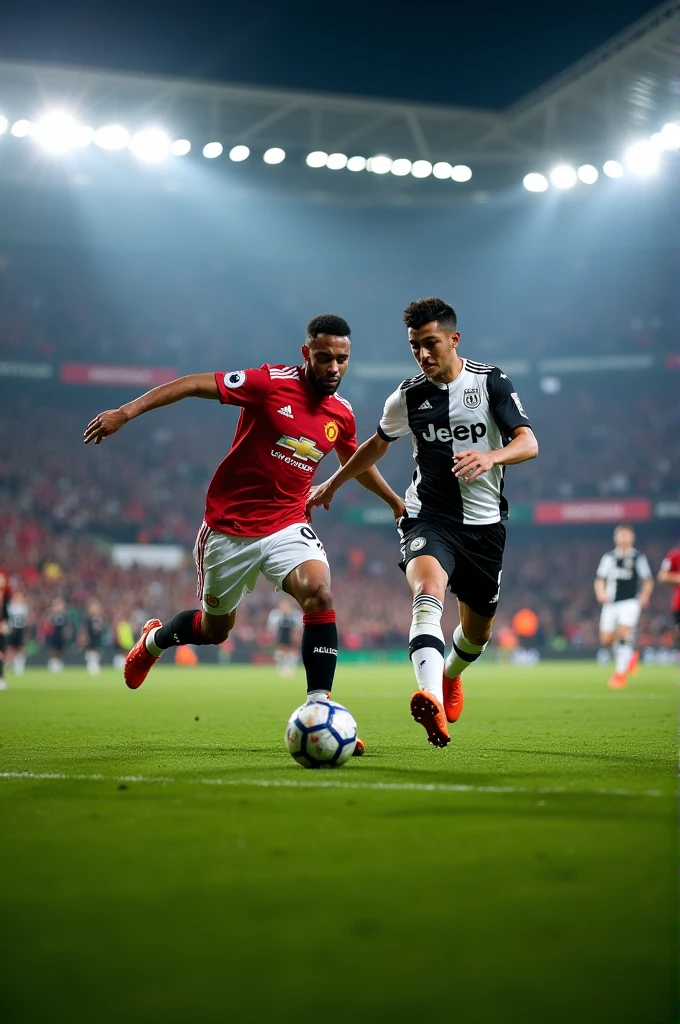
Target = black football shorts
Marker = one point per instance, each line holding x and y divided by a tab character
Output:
471	557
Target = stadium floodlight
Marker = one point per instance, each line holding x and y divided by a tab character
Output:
57	132
20	129
535	182
212	150
4	123
150	145
317	159
83	136
442	169
180	147
336	161
613	169
274	155
461	172
357	163
112	136
642	158
401	167
670	135
588	174
379	164
563	176
421	169
239	153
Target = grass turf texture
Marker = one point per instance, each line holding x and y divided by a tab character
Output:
188	901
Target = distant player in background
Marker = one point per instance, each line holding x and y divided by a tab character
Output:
285	622
670	573
95	627
623	586
17	618
59	632
5	594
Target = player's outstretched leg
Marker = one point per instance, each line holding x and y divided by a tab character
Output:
188	627
464	652
426	650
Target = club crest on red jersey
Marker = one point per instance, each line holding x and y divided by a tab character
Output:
331	430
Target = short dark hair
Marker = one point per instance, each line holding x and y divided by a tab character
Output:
423	311
327	323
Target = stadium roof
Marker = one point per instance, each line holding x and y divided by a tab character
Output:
626	87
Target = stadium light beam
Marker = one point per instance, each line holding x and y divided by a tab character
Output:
274	155
401	167
357	163
421	169
336	161
535	182
317	159
239	153
112	136
588	174
642	158
212	150
613	169
4	124
670	135
563	176
379	164
20	129
180	147
461	172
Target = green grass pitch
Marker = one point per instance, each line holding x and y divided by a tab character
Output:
524	874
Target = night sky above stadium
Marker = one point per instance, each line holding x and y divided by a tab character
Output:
486	53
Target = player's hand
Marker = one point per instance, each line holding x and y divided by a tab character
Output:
103	425
398	510
323	494
469	465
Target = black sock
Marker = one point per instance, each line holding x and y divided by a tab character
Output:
319	649
183	628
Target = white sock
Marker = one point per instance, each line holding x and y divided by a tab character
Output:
18	664
150	645
55	664
623	654
92	661
313	695
462	654
119	661
426	644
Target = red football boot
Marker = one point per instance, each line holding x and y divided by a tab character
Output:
429	713
618	681
360	749
139	662
453	698
633	668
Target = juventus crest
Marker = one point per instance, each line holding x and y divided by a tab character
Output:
471	398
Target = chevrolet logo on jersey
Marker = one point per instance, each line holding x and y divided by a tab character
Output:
303	447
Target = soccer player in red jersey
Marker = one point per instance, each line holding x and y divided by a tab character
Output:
670	573
5	594
255	514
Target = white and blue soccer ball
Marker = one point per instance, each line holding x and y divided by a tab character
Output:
321	734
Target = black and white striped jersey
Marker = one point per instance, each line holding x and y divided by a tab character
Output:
624	573
478	410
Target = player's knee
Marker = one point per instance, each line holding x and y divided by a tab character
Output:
478	636
431	587
318	599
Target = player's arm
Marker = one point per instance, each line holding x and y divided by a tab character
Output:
364	458
375	482
645	573
601	575
667	574
196	385
600	590
470	464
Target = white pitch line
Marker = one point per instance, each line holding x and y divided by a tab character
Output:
399	787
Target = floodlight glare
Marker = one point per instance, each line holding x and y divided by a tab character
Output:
421	169
401	167
20	129
670	133
150	145
317	159
563	176
239	153
613	169
112	136
642	158
336	161
3	124
83	136
274	155
180	147
588	174
57	132
461	172
356	163
211	150
442	169
379	164
535	182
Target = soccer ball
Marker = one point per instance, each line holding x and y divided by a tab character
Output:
321	734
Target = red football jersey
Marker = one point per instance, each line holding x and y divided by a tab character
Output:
671	563
5	592
285	429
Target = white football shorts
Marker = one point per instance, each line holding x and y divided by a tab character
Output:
619	613
228	566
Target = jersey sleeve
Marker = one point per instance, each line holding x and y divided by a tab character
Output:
642	566
671	562
243	387
346	443
394	420
506	406
604	567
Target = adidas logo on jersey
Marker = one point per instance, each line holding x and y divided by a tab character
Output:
425	405
286	411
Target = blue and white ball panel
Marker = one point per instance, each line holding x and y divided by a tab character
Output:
321	734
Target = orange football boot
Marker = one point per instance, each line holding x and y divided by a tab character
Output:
360	749
429	713
139	662
618	681
633	668
453	698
